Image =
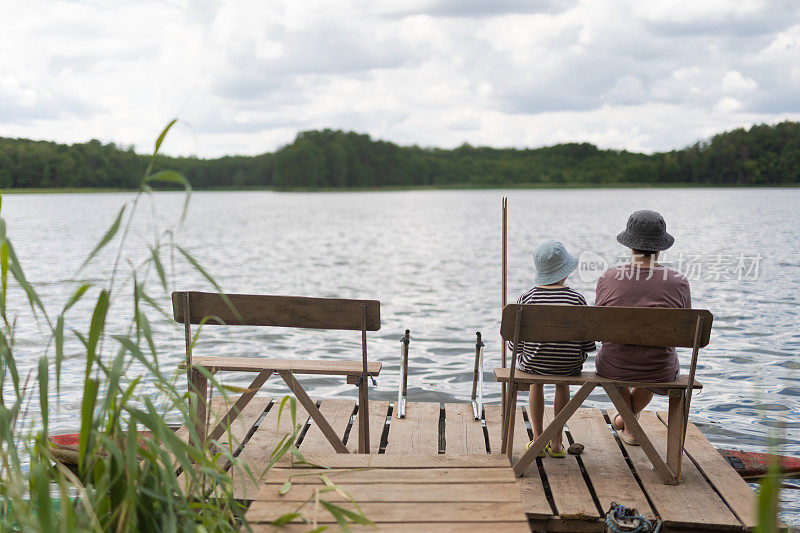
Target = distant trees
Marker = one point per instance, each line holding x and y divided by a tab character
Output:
761	155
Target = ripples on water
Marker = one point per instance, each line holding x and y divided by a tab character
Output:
433	259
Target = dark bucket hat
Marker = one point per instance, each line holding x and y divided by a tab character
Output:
646	231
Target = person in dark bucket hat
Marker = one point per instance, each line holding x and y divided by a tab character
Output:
641	283
646	231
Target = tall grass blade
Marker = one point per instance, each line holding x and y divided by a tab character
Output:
107	236
43	392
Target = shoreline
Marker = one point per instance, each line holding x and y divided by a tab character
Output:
390	188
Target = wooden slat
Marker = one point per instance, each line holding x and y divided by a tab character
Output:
647	326
611	478
501	375
570	493
387	513
394	475
281	311
520	526
462	433
735	491
257	451
296	366
418	432
400	492
405	461
690	503
338	413
378	410
534	499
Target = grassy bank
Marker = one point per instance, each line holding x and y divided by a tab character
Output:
453	186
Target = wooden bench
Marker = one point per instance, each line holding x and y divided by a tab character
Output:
646	326
280	311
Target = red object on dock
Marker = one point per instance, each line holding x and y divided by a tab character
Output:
751	465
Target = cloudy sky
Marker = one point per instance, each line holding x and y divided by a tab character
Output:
244	77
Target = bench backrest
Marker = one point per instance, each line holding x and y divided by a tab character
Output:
281	311
648	326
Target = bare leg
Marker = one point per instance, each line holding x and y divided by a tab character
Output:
637	399
561	399
536	412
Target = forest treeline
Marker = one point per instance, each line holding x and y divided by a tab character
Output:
760	155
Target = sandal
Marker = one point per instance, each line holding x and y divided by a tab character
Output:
540	454
555	455
628	440
621	426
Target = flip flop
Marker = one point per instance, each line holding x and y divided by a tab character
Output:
614	422
555	455
540	454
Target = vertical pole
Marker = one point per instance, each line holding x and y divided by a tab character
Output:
401	393
503	292
477	375
695	352
363	389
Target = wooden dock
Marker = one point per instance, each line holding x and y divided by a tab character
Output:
571	494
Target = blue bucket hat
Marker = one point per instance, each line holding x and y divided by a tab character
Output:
553	263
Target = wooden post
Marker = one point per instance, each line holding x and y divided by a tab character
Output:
503	292
196	383
363	389
675	417
511	400
692	369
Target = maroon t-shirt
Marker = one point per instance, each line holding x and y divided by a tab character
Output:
627	286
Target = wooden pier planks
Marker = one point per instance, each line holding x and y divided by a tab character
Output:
257	451
689	504
717	499
397	497
378	411
462	433
418	432
570	493
612	479
337	412
231	440
734	490
534	499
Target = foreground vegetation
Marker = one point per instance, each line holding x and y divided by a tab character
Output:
761	155
128	455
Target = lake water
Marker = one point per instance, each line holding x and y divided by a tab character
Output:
433	260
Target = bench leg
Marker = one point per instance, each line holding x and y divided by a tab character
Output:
198	393
363	416
675	425
553	428
312	410
240	404
511	415
667	477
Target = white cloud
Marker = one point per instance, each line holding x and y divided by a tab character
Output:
245	76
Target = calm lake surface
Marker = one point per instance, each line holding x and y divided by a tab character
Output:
433	260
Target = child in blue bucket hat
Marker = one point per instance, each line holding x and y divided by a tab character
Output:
553	265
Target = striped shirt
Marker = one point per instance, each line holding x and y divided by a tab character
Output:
561	358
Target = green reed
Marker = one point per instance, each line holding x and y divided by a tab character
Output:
124	481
